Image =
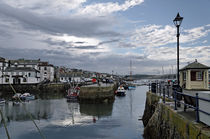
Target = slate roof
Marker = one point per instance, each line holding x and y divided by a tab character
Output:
25	61
20	69
2	59
195	65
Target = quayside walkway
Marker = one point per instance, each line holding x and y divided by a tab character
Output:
168	115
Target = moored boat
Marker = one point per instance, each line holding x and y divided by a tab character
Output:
120	91
73	94
131	87
27	96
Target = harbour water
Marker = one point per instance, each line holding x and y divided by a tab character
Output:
60	119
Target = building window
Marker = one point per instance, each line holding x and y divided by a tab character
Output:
196	75
184	76
45	73
45	68
199	76
29	74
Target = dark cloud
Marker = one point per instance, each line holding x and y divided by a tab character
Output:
50	42
97	61
69	45
77	26
85	47
126	45
80	42
111	41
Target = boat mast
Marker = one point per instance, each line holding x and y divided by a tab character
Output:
130	69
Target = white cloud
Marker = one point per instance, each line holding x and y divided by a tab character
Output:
46	6
100	9
78	7
158	35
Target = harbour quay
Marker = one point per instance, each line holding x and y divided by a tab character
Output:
103	93
179	111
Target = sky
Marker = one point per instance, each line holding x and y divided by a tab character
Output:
105	35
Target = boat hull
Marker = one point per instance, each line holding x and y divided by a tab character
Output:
121	93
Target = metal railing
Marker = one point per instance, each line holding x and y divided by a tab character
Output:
164	92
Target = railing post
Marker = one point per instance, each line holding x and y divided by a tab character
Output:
164	95
160	89
168	91
175	105
197	108
156	88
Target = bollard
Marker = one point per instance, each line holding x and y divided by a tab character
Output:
167	91
149	87
197	108
175	106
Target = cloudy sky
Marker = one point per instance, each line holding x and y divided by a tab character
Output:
105	35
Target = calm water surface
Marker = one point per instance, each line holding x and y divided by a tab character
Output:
59	119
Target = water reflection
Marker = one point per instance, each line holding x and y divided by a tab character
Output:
60	119
99	110
39	109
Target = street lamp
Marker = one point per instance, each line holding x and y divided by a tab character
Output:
177	22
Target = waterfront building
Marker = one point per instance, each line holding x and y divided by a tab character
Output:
47	71
40	70
65	78
194	79
3	65
194	76
21	75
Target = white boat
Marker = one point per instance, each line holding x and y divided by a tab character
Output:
2	101
16	96
120	91
27	96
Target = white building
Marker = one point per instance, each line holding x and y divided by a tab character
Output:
3	66
65	78
47	71
24	63
21	75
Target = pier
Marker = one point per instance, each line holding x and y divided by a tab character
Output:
102	93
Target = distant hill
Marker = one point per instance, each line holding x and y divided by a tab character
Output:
145	76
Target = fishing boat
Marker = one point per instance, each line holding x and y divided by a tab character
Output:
27	96
120	91
73	94
2	101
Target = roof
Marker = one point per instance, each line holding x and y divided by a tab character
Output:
2	59
195	65
15	69
25	61
45	64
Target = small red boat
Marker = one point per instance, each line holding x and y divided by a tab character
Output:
73	94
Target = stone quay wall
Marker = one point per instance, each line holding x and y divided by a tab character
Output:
97	94
161	121
7	92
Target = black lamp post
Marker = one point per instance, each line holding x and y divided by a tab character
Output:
177	22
